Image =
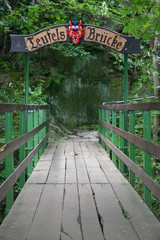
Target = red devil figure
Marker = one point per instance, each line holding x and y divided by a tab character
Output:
75	31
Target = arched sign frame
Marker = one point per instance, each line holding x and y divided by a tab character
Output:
75	33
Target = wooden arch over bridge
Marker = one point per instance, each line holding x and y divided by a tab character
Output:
75	32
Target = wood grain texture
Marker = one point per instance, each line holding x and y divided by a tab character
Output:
83	201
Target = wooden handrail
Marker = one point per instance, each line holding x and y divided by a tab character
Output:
143	144
11	180
33	124
18	142
155	188
109	130
135	106
7	107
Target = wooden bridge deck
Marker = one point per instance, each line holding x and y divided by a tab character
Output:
76	193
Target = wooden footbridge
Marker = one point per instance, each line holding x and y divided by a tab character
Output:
75	191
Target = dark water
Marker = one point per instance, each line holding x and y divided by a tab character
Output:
84	86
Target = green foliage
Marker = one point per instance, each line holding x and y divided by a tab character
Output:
31	17
141	18
69	50
37	96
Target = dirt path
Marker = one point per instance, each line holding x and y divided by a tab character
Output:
83	136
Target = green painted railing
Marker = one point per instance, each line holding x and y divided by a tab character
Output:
24	136
125	130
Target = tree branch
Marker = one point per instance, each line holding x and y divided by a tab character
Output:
8	6
10	9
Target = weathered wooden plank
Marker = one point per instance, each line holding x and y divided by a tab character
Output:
51	148
96	149
79	162
58	156
69	148
82	175
58	163
60	148
77	148
96	212
136	106
97	175
84	147
38	177
70	163
43	165
113	173
17	223
71	225
90	224
91	162
56	176
142	219
115	225
104	159
20	107
47	221
46	157
71	176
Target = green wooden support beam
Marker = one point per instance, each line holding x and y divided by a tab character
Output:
30	142
125	102
9	166
26	77
108	130
103	128
100	126
22	148
114	140
125	78
40	112
121	140
147	156
44	129
47	128
36	136
132	146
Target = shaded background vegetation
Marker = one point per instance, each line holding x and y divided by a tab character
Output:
86	75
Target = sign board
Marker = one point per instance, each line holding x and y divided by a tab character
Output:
75	33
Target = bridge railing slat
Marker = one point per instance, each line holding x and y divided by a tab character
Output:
27	146
129	142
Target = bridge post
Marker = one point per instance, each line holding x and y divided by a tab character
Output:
122	140
100	127
114	157
125	78
132	146
30	142
125	87
36	136
22	148
108	130
125	102
147	156
26	77
9	165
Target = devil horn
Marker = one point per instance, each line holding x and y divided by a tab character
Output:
70	24
80	23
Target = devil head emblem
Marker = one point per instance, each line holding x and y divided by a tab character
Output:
75	32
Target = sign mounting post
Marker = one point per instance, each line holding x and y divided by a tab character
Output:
26	77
